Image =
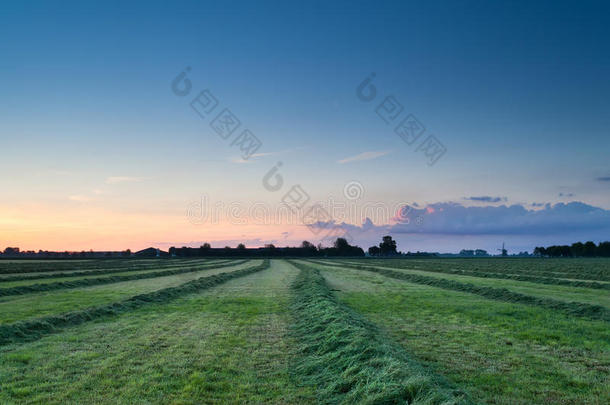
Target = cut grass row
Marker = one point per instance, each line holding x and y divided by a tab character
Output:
125	267
69	265
227	344
502	294
506	276
577	269
501	353
348	360
133	266
88	282
34	329
557	292
23	307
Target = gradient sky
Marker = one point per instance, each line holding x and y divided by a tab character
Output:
98	152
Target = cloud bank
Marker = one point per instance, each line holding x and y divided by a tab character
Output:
453	224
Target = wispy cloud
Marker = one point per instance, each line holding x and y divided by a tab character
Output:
240	161
363	156
256	156
123	179
486	198
605	178
566	194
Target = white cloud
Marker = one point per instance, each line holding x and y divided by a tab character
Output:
363	156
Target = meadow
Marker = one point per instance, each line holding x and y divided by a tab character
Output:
318	330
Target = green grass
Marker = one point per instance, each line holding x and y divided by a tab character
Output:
510	274
501	353
228	344
514	293
35	328
26	278
348	360
327	335
22	307
558	292
597	269
45	266
108	279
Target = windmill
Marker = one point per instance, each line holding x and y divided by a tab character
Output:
504	251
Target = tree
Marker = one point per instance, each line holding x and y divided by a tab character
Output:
540	251
307	245
388	246
241	246
578	249
341	244
206	246
603	249
374	251
589	249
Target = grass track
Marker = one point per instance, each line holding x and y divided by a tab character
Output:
349	360
34	329
501	353
227	344
600	285
22	307
116	278
556	292
583	269
502	294
144	266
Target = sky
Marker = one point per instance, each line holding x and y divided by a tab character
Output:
103	146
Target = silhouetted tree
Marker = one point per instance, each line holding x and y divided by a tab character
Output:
589	249
374	251
388	246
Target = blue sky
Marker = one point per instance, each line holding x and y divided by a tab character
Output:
517	92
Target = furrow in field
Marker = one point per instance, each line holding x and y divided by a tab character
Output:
347	358
556	292
23	307
499	352
53	278
505	276
578	269
34	329
43	266
158	265
226	344
592	311
32	288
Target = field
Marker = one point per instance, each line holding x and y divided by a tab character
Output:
191	331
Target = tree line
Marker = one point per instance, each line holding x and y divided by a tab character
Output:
578	249
340	248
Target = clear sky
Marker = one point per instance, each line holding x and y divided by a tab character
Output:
98	152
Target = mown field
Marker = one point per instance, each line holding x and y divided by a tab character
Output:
429	331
